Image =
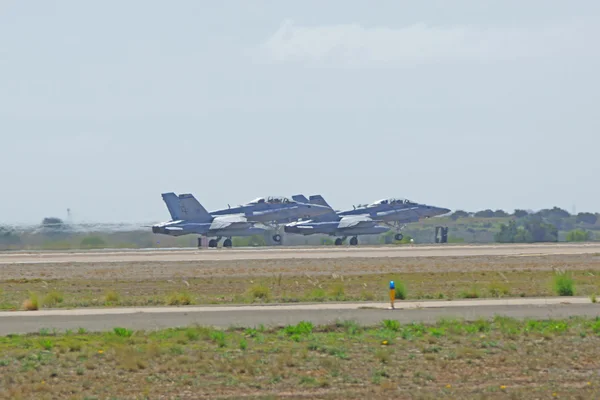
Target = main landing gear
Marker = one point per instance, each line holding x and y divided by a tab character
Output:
214	243
353	241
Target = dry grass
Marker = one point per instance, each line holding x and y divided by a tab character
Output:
295	281
503	358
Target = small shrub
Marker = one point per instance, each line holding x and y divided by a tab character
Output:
179	299
472	293
260	292
391	324
192	334
367	296
302	328
218	337
564	284
593	298
337	291
317	294
498	289
111	297
400	293
243	344
123	332
32	303
53	298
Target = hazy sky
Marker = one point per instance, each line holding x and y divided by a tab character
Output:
462	104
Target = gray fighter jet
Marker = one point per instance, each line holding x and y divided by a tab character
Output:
274	211
396	212
188	216
335	225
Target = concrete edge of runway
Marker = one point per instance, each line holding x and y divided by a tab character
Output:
150	319
542	301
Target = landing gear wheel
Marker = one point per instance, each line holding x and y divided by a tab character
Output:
338	242
353	241
227	243
277	238
398	236
212	243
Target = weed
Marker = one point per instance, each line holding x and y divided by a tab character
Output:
123	332
367	296
192	334
243	344
564	284
111	297
179	299
593	298
261	292
400	293
338	292
47	344
302	328
219	338
472	293
53	298
317	294
391	324
32	303
498	289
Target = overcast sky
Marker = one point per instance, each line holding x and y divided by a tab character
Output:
463	104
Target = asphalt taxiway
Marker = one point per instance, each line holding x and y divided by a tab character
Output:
274	253
151	318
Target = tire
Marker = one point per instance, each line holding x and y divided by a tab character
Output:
398	236
338	242
277	238
354	241
227	243
212	243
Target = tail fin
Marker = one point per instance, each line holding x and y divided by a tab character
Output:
173	205
318	200
191	209
300	198
329	216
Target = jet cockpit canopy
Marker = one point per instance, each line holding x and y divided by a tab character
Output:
272	200
393	201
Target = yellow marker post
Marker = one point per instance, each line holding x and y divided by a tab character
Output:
392	293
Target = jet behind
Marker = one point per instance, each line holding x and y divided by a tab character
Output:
333	224
188	216
275	210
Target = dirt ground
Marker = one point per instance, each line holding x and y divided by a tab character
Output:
292	280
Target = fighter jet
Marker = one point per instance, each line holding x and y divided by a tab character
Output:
274	211
188	216
396	212
335	225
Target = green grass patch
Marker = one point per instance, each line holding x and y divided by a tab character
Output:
564	284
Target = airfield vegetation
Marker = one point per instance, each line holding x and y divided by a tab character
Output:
286	281
501	358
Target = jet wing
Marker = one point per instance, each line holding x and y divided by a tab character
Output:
228	221
355	221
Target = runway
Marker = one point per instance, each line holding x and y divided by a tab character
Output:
274	253
150	318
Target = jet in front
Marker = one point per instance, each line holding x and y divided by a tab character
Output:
396	212
335	225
